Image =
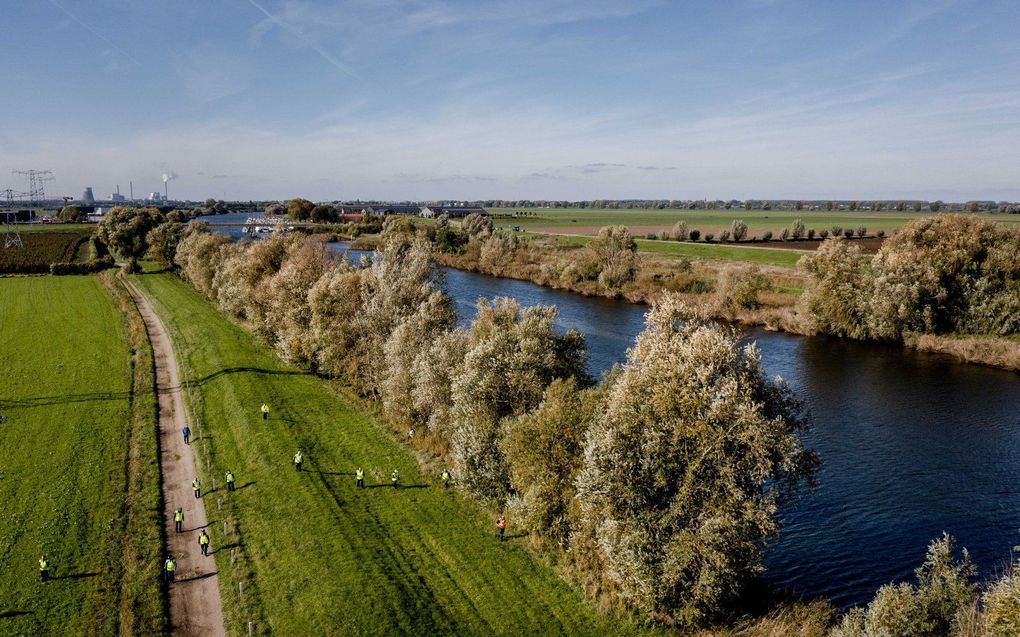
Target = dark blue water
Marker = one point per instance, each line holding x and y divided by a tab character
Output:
912	445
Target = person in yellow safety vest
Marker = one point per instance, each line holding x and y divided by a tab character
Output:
203	542
298	459
44	568
265	411
359	475
196	486
394	478
446	478
178	519
228	477
169	566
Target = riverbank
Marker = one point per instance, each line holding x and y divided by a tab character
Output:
776	308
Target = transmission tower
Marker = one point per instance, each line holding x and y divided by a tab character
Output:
36	188
12	238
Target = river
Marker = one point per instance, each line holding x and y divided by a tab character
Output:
912	444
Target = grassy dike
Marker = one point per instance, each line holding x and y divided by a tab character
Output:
78	479
317	556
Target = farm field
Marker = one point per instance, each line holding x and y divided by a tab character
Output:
710	251
641	221
43	248
318	556
65	485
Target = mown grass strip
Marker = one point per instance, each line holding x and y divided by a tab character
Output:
325	557
66	395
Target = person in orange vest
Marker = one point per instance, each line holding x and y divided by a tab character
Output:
501	525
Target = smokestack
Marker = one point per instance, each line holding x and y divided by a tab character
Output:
131	185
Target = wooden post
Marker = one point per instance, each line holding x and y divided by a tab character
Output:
251	629
240	589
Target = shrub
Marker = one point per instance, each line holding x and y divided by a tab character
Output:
811	233
680	231
1002	605
683	467
785	234
709	236
848	233
935	607
163	240
740	287
837	231
767	236
125	231
477	225
199	255
614	253
724	236
838	295
694	234
823	233
651	236
797	229
861	231
738	229
880	233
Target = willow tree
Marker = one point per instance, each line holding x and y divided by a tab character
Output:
685	467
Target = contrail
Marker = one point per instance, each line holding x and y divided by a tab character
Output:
95	32
323	53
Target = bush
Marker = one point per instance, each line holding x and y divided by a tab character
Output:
880	233
613	251
680	231
861	231
1002	605
738	229
838	296
477	225
709	236
823	233
935	607
785	234
797	229
811	234
724	236
848	233
837	231
89	267
767	236
740	288
694	234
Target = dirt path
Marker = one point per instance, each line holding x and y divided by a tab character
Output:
195	608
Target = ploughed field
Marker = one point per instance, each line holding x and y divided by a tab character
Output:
65	402
316	555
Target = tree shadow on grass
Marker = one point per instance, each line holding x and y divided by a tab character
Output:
227	547
241	370
399	487
246	485
66	399
330	473
514	536
14	613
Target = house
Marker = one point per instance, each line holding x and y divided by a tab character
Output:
434	212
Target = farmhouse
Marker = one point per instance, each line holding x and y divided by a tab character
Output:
433	212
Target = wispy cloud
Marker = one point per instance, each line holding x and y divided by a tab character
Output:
308	41
91	29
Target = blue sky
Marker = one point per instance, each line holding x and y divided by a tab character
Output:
569	99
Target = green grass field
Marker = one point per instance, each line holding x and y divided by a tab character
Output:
70	457
318	556
711	251
582	220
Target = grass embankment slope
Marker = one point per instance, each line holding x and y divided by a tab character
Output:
318	556
78	480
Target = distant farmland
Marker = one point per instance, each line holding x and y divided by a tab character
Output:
43	248
642	221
